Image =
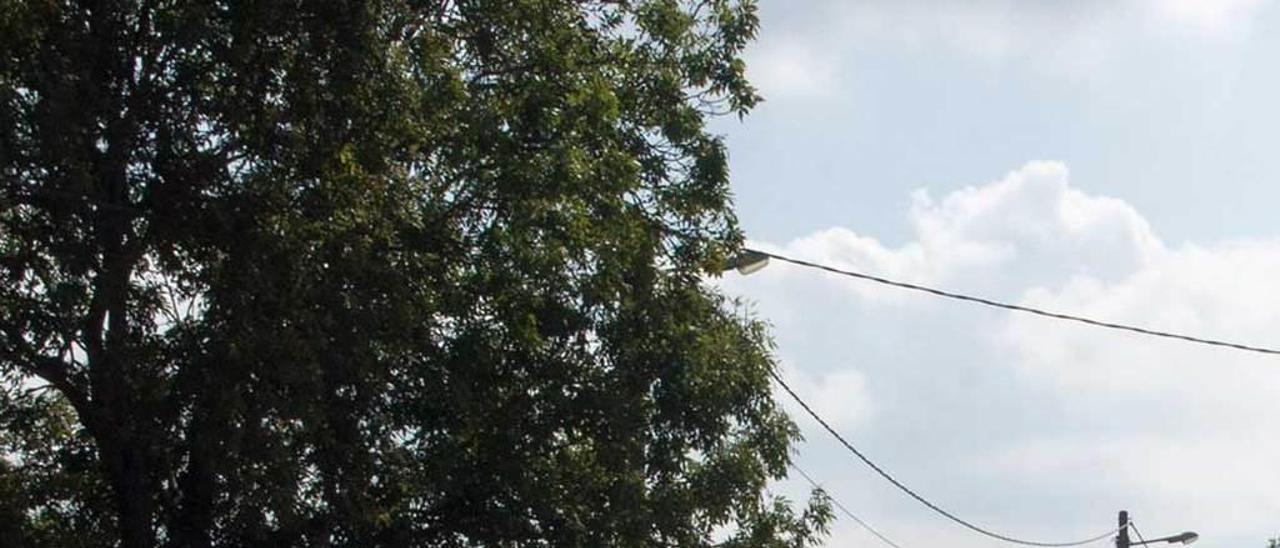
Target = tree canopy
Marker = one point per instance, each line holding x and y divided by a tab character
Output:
379	273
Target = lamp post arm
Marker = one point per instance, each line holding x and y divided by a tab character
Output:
1184	538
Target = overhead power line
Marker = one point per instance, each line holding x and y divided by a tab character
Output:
1136	532
846	511
917	496
1020	308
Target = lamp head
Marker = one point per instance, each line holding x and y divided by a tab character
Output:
748	262
1185	538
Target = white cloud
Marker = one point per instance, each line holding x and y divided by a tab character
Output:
1032	219
840	397
1025	423
1063	38
1221	291
1206	16
1029	223
791	69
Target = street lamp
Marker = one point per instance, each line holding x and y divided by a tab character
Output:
1184	538
1122	536
748	262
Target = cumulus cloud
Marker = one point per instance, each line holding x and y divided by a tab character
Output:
1030	224
1028	424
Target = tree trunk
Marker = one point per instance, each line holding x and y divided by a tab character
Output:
134	501
128	473
193	526
122	409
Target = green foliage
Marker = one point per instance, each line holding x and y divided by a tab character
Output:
51	493
379	273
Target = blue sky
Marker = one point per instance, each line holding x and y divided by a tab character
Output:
1175	114
1112	159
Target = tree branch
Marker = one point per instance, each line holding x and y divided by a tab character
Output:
50	369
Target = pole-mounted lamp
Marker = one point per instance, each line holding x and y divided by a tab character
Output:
1122	536
748	262
1184	538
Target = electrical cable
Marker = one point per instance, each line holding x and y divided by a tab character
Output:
1020	308
917	496
1136	532
842	508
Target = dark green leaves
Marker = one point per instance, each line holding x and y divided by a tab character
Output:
382	273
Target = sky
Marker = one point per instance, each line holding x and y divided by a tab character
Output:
1113	159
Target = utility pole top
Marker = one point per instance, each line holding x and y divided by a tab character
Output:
1122	533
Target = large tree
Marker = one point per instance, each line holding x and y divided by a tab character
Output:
382	272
